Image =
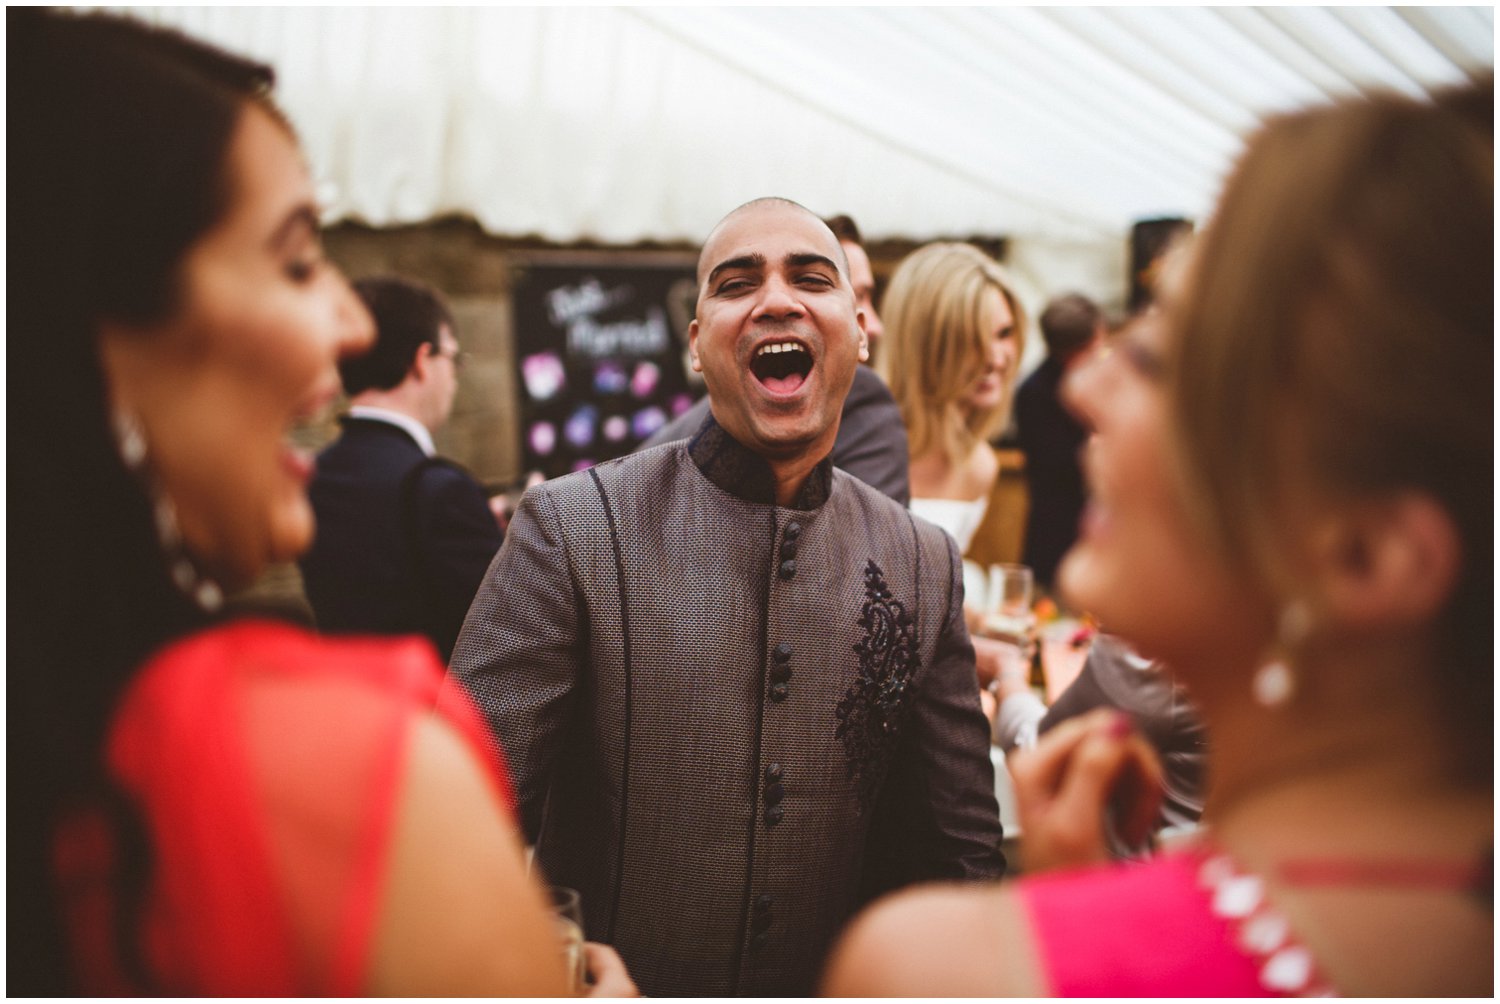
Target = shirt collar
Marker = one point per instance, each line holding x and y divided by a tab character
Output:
416	430
743	473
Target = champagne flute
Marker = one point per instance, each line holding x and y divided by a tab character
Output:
1009	617
567	908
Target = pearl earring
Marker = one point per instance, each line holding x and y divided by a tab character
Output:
130	441
1274	683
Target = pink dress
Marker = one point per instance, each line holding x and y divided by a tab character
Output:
266	764
1136	930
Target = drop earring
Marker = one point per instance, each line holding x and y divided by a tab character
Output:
130	442
1275	682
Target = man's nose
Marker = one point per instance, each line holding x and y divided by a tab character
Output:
778	299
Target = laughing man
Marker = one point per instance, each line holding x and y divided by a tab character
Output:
732	683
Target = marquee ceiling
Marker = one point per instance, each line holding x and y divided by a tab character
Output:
624	123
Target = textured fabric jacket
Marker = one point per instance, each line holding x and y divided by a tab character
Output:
729	722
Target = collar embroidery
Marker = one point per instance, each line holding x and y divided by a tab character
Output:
745	474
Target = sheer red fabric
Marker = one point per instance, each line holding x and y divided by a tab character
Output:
266	765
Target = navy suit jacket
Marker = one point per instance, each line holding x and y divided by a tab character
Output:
403	541
1051	439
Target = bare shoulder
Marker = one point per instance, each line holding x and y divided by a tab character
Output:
458	914
981	470
945	940
441	764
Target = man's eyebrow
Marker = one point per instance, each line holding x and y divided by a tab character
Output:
809	258
756	260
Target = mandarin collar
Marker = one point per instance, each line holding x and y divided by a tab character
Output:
743	473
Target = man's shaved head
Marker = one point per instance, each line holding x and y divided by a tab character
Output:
767	200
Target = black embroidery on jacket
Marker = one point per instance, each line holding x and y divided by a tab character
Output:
743	473
871	710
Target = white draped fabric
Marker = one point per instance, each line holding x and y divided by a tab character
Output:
622	124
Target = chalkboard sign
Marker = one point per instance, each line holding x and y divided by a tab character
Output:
602	353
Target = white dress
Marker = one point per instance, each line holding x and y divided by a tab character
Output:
961	519
958	517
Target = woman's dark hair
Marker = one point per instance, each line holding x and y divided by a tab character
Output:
118	135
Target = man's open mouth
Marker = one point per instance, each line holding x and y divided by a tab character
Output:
781	367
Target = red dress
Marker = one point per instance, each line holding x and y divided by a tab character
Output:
266	764
1146	929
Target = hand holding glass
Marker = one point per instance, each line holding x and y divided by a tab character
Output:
568	910
1008	615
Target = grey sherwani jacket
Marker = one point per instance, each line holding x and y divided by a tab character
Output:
730	722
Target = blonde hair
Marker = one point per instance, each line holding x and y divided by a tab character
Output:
934	346
1335	337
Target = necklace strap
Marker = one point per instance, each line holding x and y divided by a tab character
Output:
1475	878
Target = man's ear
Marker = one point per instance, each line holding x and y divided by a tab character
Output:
1389	562
864	337
421	363
693	346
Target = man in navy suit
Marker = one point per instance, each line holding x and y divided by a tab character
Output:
1052	437
403	537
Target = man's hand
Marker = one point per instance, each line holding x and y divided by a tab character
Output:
607	974
503	506
1087	774
1003	668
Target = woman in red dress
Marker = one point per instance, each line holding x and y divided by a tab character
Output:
200	808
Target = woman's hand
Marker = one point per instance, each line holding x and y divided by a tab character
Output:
1085	776
607	974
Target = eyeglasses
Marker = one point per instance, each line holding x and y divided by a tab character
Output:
458	356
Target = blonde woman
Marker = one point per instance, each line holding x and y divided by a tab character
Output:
954	334
953	340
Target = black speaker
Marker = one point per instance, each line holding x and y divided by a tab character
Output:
1148	239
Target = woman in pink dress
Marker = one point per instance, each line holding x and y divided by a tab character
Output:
1291	471
200	808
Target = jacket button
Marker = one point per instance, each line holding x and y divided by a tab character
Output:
783	652
760	923
793	531
759	941
780	673
773	815
775	792
763	901
788	568
773	771
778	692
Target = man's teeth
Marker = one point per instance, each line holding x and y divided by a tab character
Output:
774	347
